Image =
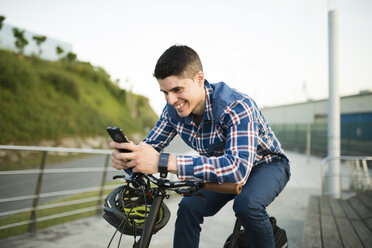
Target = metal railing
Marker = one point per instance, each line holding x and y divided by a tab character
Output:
354	176
32	222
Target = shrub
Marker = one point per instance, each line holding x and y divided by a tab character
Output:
15	73
63	82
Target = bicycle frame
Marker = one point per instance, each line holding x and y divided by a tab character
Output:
150	221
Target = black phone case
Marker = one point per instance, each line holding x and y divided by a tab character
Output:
118	136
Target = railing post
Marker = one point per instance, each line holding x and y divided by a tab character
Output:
103	182
352	180
360	175
323	177
308	143
32	227
366	172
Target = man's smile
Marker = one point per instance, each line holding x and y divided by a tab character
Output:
178	106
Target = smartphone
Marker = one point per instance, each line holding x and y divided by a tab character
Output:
118	136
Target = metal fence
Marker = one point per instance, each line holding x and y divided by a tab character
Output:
354	175
32	222
356	138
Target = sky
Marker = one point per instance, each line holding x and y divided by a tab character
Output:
276	51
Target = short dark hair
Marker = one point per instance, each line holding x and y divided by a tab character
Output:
178	60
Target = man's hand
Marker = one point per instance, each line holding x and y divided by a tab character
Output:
142	158
117	162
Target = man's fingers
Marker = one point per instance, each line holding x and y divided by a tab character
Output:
117	166
127	156
112	144
126	145
131	164
118	161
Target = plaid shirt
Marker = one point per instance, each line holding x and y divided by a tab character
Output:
232	138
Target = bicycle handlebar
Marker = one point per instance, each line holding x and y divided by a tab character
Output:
136	180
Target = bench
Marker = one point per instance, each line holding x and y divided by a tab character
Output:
339	223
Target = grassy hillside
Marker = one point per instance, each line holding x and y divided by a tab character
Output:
43	100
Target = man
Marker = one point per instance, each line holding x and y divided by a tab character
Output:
233	139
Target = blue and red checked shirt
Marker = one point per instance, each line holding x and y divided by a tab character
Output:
231	139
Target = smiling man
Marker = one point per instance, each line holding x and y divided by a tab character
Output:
234	141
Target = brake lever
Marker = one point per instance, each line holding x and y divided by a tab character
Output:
136	179
190	191
119	176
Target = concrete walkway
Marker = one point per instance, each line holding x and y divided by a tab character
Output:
289	209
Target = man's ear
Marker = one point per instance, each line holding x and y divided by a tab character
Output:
200	78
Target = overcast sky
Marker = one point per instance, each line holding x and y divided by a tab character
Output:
275	50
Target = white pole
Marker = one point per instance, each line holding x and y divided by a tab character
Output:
333	182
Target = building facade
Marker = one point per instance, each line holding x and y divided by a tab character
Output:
49	52
294	123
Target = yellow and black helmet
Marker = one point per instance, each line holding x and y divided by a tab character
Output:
126	209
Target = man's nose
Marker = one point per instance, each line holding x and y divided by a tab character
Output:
171	98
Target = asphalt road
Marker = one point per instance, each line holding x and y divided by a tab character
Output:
23	185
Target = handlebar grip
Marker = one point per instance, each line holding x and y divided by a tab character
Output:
226	188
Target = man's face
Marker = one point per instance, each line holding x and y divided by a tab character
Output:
184	94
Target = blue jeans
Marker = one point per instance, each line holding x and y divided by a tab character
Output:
264	183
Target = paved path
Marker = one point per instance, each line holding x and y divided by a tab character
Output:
289	209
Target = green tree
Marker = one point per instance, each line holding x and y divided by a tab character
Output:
39	40
21	41
71	57
59	51
2	18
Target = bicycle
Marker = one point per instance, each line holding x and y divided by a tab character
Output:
145	221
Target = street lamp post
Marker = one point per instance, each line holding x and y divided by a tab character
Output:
333	176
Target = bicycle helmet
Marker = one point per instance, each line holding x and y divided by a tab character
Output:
125	209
